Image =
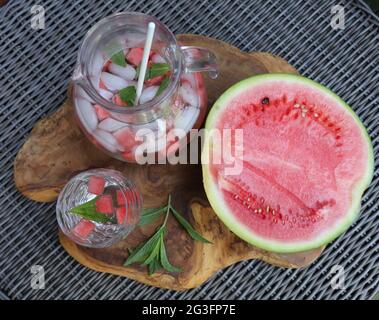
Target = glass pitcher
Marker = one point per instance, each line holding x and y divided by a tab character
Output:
166	113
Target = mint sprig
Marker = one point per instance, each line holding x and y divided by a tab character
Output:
128	95
153	251
163	86
119	58
154	70
158	69
88	211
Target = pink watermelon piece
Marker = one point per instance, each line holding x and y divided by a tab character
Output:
96	185
126	138
104	204
120	215
101	112
83	228
117	100
120	195
102	85
106	65
134	56
301	169
123	197
128	156
154	81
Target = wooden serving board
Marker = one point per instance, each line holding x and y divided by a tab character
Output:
56	150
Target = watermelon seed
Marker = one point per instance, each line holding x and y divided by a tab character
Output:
265	100
255	211
296	105
316	115
268	209
260	210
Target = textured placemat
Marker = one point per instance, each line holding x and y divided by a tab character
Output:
35	66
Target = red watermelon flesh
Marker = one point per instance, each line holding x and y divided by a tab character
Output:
104	204
121	214
306	161
83	228
96	185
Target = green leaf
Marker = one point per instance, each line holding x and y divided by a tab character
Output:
163	86
119	58
154	265
150	215
154	253
128	95
88	211
158	69
88	204
91	214
191	231
141	253
164	260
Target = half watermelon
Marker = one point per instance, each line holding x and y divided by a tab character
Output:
305	162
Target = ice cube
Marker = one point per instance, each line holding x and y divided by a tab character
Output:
97	64
111	125
107	140
186	118
113	82
190	78
157	58
87	114
127	73
188	94
148	94
80	93
107	95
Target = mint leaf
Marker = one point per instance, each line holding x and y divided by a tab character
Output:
91	214
128	95
191	231
163	86
153	251
150	215
154	265
141	253
164	260
119	58
158	69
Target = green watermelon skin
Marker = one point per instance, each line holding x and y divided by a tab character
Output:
277	237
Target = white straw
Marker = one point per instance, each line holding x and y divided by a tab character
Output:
145	57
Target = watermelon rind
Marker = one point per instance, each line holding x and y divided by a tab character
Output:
221	208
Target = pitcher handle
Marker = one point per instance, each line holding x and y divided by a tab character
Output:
199	59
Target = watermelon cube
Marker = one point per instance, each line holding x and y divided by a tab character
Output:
154	81
134	56
121	214
83	228
129	156
124	197
106	65
120	198
96	185
104	204
102	85
101	112
126	138
117	100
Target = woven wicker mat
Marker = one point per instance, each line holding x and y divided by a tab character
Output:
35	67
